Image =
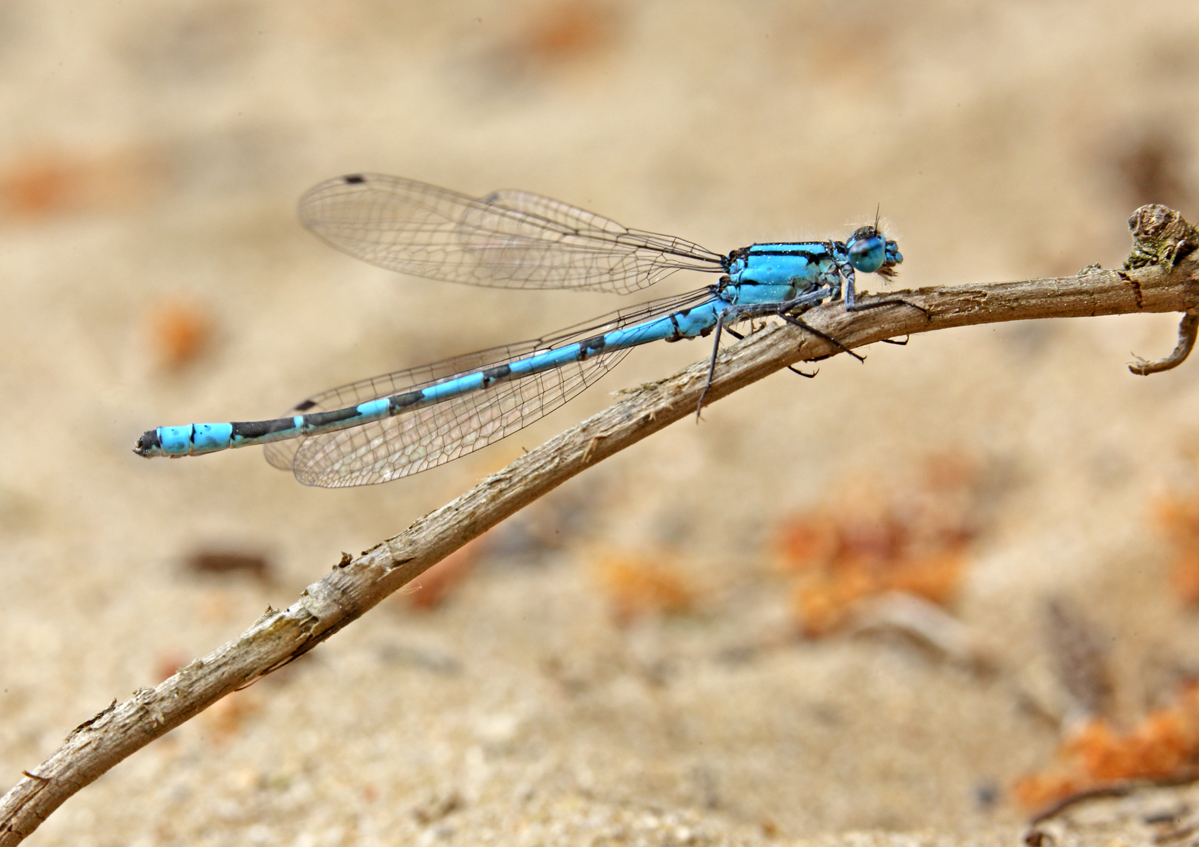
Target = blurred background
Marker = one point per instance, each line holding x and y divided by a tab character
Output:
935	590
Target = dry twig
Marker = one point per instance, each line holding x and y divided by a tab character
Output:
1160	276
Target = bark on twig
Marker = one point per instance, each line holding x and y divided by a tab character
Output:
1160	276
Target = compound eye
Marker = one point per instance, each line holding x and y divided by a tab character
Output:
867	254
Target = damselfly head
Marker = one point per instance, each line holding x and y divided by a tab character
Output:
869	251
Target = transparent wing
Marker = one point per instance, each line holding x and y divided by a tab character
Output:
509	239
433	435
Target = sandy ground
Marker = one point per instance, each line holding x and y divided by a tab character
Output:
152	156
